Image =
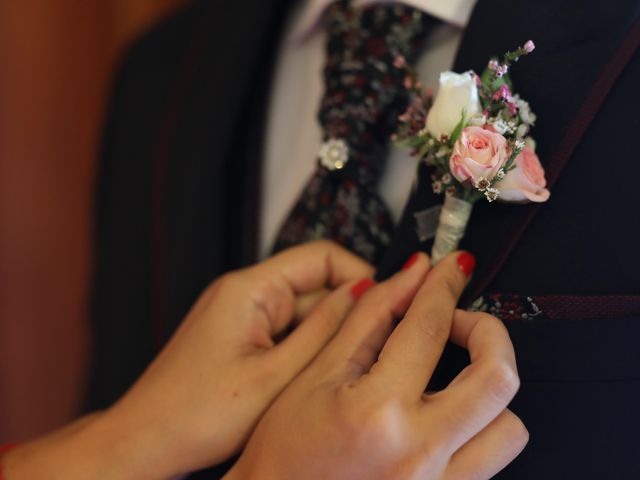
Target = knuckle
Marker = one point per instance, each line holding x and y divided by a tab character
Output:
520	435
433	450
489	322
377	305
414	464
433	327
452	284
330	316
346	418
225	283
268	372
373	424
384	424
230	280
487	318
502	381
516	432
324	245
225	280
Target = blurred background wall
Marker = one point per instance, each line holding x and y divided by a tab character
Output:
56	62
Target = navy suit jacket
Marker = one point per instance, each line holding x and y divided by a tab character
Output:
178	205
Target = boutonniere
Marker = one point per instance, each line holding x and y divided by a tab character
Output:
475	138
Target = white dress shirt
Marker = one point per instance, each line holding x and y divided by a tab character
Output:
293	135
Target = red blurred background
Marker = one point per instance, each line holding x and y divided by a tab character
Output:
56	62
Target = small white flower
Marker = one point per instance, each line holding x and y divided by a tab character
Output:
491	194
437	187
500	126
478	120
524	111
501	70
446	179
443	151
520	144
531	143
334	154
500	175
526	115
482	184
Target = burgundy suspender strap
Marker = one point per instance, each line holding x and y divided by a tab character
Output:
569	307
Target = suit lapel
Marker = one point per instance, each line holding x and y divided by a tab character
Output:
575	41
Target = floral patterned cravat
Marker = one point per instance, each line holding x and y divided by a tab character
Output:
364	94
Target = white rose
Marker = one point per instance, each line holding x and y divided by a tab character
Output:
523	129
456	92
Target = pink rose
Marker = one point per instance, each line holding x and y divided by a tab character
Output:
526	181
478	153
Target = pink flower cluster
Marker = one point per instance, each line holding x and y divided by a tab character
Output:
504	93
500	70
480	156
526	181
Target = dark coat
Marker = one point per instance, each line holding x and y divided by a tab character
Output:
178	205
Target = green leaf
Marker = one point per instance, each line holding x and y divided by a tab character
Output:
455	135
485	78
493	83
424	149
414	142
512	158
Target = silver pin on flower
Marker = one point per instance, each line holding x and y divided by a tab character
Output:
334	154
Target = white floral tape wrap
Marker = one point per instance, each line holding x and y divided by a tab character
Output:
453	222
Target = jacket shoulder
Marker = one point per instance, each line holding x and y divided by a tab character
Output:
161	48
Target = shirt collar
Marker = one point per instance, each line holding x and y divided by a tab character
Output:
454	12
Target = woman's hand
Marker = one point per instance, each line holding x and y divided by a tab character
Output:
202	396
359	410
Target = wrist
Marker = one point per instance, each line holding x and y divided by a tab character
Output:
4	449
56	455
235	474
130	447
244	469
96	446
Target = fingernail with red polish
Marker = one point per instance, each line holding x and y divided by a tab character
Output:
412	259
362	286
466	263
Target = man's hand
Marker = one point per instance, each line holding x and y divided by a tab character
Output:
359	411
